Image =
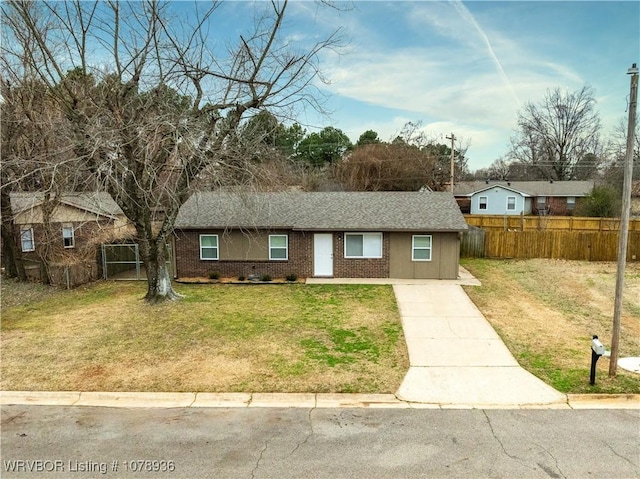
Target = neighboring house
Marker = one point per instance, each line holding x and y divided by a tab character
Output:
521	197
79	223
341	235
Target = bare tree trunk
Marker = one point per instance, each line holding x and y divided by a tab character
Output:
11	252
48	205
155	255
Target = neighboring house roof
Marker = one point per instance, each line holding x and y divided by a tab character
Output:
98	203
361	211
529	188
504	187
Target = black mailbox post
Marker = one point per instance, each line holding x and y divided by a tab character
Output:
597	350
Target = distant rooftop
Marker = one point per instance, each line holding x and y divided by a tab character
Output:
99	203
530	188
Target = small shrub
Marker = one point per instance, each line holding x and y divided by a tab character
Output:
603	202
265	277
241	278
214	275
292	277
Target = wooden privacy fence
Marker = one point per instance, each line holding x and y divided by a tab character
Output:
472	243
545	223
570	245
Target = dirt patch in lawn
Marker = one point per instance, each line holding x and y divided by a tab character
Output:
220	338
546	311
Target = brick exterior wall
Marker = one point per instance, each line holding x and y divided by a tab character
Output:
556	206
189	264
82	261
82	232
356	267
300	262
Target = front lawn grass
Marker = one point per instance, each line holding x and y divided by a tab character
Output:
220	338
546	312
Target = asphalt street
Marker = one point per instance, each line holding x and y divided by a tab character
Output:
90	442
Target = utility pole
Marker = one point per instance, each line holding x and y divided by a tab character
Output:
453	157
624	220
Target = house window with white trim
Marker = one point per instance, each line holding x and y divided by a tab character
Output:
209	247
482	202
511	203
68	238
421	248
363	245
26	239
542	201
571	202
278	247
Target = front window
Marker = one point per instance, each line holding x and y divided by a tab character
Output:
278	247
571	202
209	247
421	248
68	238
511	203
482	205
542	200
26	238
363	245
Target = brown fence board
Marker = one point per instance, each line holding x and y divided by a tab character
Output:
570	245
543	223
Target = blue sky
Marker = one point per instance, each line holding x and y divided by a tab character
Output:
457	67
466	67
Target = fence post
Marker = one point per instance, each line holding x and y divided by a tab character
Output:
137	262
104	261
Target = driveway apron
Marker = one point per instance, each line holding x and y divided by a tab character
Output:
455	355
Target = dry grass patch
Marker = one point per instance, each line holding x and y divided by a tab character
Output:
289	338
546	311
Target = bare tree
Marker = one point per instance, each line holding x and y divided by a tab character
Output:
385	167
34	159
560	136
499	169
156	98
613	170
414	136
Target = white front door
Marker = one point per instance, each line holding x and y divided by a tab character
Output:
323	254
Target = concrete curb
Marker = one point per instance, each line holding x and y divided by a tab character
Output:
288	400
604	401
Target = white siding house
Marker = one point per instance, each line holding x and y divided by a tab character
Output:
500	200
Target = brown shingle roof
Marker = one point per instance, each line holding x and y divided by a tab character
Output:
99	203
368	211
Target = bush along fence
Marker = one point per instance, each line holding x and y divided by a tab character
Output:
586	245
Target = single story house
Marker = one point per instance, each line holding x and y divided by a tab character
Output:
338	234
521	197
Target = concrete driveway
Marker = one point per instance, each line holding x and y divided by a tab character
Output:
456	357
